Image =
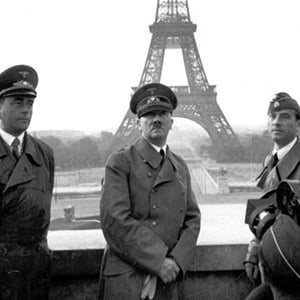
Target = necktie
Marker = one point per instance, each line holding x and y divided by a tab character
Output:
15	148
273	161
162	153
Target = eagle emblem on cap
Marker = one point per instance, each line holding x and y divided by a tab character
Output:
152	90
23	82
24	74
276	104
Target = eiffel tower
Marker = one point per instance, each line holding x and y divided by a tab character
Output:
197	102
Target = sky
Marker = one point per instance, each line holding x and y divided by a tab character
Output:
89	53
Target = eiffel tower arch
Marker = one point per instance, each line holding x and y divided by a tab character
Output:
173	29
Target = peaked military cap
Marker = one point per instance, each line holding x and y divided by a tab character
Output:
283	101
281	248
18	80
151	97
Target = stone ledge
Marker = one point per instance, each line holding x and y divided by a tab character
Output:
86	262
216	273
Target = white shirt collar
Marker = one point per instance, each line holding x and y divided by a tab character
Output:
158	148
8	138
284	150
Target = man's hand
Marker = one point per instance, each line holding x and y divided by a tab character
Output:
251	260
169	270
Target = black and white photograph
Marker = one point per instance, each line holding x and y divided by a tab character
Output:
149	150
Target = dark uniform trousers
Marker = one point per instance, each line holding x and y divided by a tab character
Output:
25	200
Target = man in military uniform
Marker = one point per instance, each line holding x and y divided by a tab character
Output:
149	215
283	125
282	163
26	183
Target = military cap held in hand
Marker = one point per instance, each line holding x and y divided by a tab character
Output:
151	97
18	80
281	250
283	101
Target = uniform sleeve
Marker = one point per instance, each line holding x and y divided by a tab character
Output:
51	170
127	237
48	157
184	250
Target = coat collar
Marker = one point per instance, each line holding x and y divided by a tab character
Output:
4	148
150	155
29	148
289	162
22	171
284	167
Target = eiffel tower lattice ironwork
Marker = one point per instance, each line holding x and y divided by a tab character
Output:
173	29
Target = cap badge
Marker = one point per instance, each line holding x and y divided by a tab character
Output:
23	74
276	104
152	100
22	83
152	90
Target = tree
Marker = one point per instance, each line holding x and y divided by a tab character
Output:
84	153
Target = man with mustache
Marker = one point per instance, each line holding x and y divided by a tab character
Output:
149	215
26	182
282	163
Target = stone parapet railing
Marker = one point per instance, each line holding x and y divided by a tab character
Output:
216	273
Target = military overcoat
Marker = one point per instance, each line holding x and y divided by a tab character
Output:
25	199
287	168
148	211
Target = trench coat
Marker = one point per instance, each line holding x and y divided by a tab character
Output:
148	212
25	192
287	168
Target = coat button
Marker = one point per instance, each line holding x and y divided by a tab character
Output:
154	223
154	206
149	175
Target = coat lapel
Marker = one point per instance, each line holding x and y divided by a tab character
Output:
285	167
262	177
22	173
23	170
7	162
167	171
148	153
289	162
